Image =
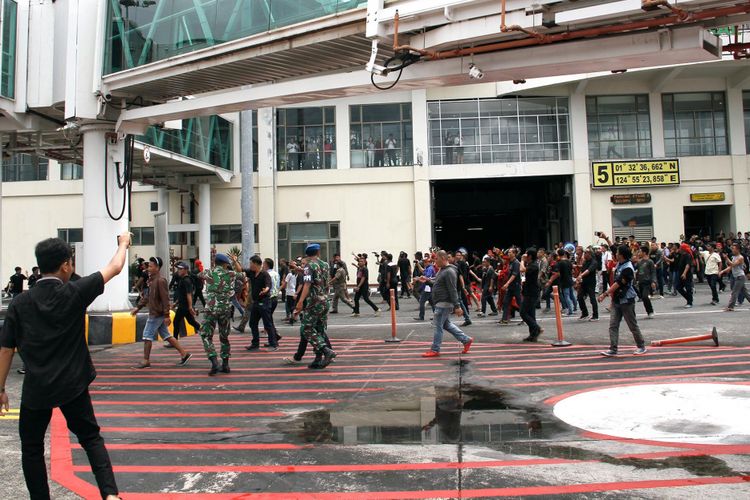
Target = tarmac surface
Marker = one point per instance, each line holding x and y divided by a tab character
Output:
383	422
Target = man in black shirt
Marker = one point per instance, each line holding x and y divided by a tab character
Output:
34	277
47	326
184	300
530	294
563	278
685	274
463	284
587	286
15	286
489	283
362	287
512	287
404	269
260	292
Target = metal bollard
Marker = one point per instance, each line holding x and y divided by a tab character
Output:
393	338
560	342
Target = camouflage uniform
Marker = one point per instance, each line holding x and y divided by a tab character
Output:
219	293
314	320
339	290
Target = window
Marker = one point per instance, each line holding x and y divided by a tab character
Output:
142	236
8	55
70	235
746	106
695	124
636	221
619	126
25	167
499	130
230	234
381	135
294	237
255	140
71	171
306	138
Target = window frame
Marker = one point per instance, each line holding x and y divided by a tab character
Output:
594	120
305	160
380	158
674	146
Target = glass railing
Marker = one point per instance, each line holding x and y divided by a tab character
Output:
8	55
144	31
207	139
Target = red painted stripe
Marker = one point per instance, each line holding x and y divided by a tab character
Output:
61	459
639	361
624	370
464	493
299	368
212	382
248	391
265	375
712	449
202	446
721	450
628	379
259	414
257	469
167	430
219	403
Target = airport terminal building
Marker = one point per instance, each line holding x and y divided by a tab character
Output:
476	163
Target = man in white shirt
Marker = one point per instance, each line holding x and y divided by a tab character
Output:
606	258
390	150
713	262
291	153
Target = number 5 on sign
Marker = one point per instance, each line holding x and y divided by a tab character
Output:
603	174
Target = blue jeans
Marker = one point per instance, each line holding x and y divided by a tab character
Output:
566	299
155	326
237	305
443	321
424	298
571	298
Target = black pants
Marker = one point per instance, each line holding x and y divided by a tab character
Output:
488	298
79	415
644	290
364	294
588	290
513	291
199	297
685	288
261	310
605	281
180	316
394	287
713	279
405	287
528	314
302	346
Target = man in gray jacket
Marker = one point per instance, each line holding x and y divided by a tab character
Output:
446	299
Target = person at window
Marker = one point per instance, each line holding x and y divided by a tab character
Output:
328	149
390	149
370	152
379	153
448	148
610	139
458	143
292	154
48	325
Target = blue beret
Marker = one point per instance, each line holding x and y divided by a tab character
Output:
222	258
312	249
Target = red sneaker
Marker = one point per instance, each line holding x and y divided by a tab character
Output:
431	354
467	346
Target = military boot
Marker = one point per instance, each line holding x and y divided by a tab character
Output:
214	367
225	365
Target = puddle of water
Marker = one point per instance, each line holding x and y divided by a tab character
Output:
469	414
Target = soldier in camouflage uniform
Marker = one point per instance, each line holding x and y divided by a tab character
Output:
219	292
313	301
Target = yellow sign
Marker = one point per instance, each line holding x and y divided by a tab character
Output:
630	173
707	197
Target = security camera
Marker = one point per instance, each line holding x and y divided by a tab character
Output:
474	72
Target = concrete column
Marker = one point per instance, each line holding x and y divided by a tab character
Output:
2	225
163	198
584	225
204	224
656	115
267	184
99	229
739	214
343	133
247	204
422	195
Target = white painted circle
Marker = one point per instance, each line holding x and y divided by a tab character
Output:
147	154
676	413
